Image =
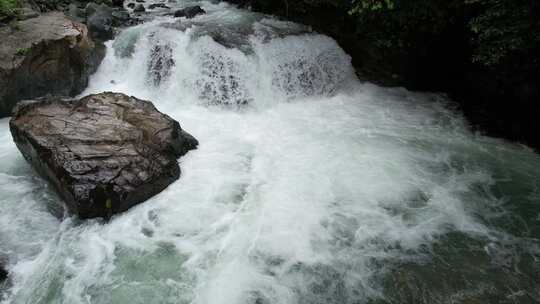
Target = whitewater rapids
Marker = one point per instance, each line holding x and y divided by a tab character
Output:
308	186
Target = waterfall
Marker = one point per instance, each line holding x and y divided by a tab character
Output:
308	186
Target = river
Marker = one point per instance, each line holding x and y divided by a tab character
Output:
308	186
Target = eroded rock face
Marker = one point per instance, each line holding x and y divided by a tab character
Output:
104	153
49	54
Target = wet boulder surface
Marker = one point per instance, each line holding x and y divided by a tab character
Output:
103	153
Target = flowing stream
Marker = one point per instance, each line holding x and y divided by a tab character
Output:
308	186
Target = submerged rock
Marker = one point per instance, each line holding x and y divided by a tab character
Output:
49	54
189	12
103	153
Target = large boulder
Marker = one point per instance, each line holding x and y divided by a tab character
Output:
49	54
103	153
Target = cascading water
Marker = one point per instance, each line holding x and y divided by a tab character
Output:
308	186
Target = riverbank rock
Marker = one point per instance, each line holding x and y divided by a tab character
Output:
103	153
49	54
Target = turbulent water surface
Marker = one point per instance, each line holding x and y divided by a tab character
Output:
308	186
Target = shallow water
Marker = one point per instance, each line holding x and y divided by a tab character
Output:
308	186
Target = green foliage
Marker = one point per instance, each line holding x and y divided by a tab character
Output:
504	29
22	51
498	30
399	24
363	6
8	9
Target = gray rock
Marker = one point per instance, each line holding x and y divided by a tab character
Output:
189	12
27	13
121	17
103	153
49	54
91	8
139	8
99	19
76	14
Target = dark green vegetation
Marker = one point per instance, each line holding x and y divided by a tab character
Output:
8	9
483	53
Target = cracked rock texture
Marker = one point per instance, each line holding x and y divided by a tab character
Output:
103	153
